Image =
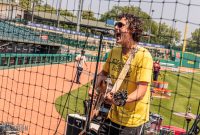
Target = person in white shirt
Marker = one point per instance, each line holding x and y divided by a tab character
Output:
80	59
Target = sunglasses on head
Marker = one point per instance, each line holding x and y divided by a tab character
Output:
119	24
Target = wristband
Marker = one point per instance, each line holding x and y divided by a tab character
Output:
120	98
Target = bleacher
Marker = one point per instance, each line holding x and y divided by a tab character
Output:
12	32
58	38
8	31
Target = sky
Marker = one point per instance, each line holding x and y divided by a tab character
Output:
175	13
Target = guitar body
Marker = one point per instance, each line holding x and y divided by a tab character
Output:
99	102
100	107
104	88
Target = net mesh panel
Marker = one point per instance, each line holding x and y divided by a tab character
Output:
39	41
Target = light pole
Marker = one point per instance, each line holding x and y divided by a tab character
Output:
152	11
184	43
33	8
58	13
80	9
185	38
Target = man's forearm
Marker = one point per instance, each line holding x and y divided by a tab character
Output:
138	94
134	97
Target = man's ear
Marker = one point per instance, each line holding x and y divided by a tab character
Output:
130	31
133	30
127	30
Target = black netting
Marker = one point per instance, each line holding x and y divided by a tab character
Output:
42	40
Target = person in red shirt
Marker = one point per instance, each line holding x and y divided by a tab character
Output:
156	70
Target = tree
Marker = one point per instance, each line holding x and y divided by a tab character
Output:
88	14
193	44
28	4
163	34
116	10
45	8
49	9
66	13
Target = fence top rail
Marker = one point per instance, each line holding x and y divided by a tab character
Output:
40	55
30	55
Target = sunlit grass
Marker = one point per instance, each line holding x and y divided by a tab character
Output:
72	102
185	91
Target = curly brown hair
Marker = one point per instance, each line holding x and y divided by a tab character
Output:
134	24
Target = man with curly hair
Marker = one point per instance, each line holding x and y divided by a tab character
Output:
129	117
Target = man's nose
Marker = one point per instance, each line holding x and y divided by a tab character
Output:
116	27
117	30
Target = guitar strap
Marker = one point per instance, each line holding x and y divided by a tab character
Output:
124	71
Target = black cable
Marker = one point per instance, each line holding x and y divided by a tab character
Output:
73	81
94	83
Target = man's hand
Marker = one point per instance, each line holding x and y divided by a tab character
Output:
118	98
77	58
109	98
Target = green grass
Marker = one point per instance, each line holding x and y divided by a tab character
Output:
185	90
72	102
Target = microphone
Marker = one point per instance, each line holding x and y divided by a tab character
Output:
112	32
104	31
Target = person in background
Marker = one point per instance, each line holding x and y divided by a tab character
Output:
156	70
80	59
128	117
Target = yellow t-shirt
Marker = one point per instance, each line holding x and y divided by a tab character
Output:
136	113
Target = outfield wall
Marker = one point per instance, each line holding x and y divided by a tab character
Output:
186	59
13	59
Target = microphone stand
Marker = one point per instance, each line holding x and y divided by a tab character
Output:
188	122
95	77
188	119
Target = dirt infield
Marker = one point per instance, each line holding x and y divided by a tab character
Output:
27	95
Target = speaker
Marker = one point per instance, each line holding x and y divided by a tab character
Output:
75	124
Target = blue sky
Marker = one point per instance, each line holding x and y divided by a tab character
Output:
168	10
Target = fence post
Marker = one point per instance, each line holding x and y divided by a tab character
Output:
30	60
8	60
16	60
23	60
0	60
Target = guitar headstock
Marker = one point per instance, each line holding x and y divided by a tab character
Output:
105	86
109	84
